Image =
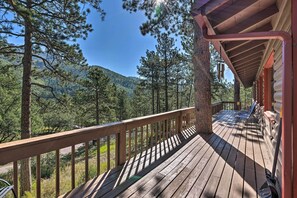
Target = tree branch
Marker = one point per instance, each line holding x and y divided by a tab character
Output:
51	89
12	33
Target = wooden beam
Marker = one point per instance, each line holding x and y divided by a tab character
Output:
249	82
228	10
250	71
251	45
248	65
213	5
235	44
248	54
248	61
257	54
254	20
294	36
198	4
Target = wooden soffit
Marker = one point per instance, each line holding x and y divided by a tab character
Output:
238	16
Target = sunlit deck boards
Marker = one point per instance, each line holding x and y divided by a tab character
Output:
228	163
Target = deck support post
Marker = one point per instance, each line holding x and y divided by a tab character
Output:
237	105
294	49
261	90
179	123
254	91
121	141
202	79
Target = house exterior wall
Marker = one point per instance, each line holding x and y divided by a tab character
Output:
282	21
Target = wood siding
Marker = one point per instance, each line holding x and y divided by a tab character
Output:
281	22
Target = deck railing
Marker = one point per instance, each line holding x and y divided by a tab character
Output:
228	105
128	138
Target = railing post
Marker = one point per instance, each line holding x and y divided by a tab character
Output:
179	122
121	145
188	118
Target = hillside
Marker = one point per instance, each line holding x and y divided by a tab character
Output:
123	82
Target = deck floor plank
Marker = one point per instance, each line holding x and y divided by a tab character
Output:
250	173
174	179
236	188
227	163
223	188
215	178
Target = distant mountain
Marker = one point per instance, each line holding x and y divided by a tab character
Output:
123	82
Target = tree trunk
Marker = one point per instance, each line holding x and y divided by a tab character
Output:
166	85
25	174
153	95
158	99
236	94
190	96
177	101
201	62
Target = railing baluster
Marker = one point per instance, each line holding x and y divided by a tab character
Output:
117	146
86	161
129	144
176	125
38	175
161	131
141	139
163	127
15	178
147	137
167	128
152	135
157	134
135	141
98	156
73	167
57	173
108	152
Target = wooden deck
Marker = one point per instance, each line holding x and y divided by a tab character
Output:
227	163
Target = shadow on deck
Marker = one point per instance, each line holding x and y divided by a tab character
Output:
227	163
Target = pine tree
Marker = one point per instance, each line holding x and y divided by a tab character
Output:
9	102
169	57
149	70
47	30
123	105
94	99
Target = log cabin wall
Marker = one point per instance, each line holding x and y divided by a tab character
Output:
281	22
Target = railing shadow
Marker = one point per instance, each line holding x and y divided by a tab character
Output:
135	168
242	161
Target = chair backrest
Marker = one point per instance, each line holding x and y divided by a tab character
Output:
252	109
7	188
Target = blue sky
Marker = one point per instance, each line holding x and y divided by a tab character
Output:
116	43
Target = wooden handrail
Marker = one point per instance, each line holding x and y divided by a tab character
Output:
152	130
21	149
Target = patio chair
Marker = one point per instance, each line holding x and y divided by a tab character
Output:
246	115
5	188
